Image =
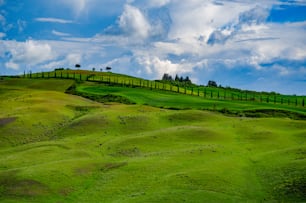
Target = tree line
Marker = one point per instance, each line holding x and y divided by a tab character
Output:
178	79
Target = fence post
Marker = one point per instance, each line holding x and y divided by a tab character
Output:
274	99
303	102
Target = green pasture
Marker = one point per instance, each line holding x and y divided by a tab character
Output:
195	90
58	147
172	100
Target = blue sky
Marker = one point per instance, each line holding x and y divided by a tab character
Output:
257	45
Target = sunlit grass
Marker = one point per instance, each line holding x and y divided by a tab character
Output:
64	148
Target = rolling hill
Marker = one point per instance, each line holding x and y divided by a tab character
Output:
120	139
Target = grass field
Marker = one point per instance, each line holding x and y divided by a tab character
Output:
57	147
230	94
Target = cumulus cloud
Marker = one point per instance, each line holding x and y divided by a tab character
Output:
219	37
12	65
134	23
149	3
248	21
255	15
28	53
69	60
197	18
54	20
157	66
74	58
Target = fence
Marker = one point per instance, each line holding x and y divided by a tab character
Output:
201	91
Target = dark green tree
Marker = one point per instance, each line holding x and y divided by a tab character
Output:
212	83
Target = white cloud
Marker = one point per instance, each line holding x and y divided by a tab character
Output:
192	19
156	3
28	53
78	6
12	65
3	23
70	60
158	66
21	25
281	70
249	21
256	15
149	3
1	2
74	58
134	23
2	20
61	34
54	20
2	35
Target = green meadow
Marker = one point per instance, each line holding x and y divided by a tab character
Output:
64	140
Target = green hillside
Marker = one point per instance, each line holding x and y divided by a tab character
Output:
157	145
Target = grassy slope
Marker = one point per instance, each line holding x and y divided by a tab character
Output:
63	148
166	99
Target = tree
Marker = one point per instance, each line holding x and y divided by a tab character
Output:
101	69
187	80
176	78
77	66
108	68
212	83
167	77
93	69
